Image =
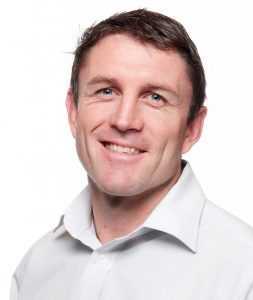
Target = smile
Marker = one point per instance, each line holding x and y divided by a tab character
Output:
121	149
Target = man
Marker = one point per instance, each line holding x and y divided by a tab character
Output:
142	228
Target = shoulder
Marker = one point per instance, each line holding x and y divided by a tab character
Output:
24	263
225	247
42	253
223	224
227	234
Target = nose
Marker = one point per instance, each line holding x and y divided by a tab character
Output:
126	115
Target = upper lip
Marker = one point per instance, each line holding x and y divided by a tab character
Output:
123	144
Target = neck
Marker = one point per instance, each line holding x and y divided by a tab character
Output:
117	216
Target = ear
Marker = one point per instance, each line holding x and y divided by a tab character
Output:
72	112
194	130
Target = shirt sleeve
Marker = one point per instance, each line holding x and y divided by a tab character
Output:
14	289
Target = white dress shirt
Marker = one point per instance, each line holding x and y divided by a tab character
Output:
187	249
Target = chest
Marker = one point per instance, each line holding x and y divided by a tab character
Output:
148	274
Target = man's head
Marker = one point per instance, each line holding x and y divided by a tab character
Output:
149	27
133	105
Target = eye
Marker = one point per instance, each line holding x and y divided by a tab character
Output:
156	99
105	91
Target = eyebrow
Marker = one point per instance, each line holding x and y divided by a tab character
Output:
102	79
113	81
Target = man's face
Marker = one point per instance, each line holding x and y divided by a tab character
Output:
130	125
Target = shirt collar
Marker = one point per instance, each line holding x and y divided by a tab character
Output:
77	220
178	214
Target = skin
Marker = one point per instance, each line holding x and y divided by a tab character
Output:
132	94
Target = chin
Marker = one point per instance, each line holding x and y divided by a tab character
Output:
121	189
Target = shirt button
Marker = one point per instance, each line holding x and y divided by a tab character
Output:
102	257
99	258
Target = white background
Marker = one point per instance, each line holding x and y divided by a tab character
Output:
39	169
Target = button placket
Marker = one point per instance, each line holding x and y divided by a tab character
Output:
92	281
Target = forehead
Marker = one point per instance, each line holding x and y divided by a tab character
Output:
122	56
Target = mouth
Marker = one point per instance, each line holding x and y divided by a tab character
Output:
114	147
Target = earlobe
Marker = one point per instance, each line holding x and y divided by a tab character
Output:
72	111
194	130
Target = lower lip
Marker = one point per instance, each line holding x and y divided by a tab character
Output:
123	157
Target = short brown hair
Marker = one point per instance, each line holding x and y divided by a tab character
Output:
150	27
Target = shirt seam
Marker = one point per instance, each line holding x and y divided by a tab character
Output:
17	282
199	223
250	289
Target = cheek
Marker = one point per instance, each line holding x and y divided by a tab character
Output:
170	133
169	129
91	115
89	118
83	127
81	146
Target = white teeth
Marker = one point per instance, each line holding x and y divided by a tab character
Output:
117	148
